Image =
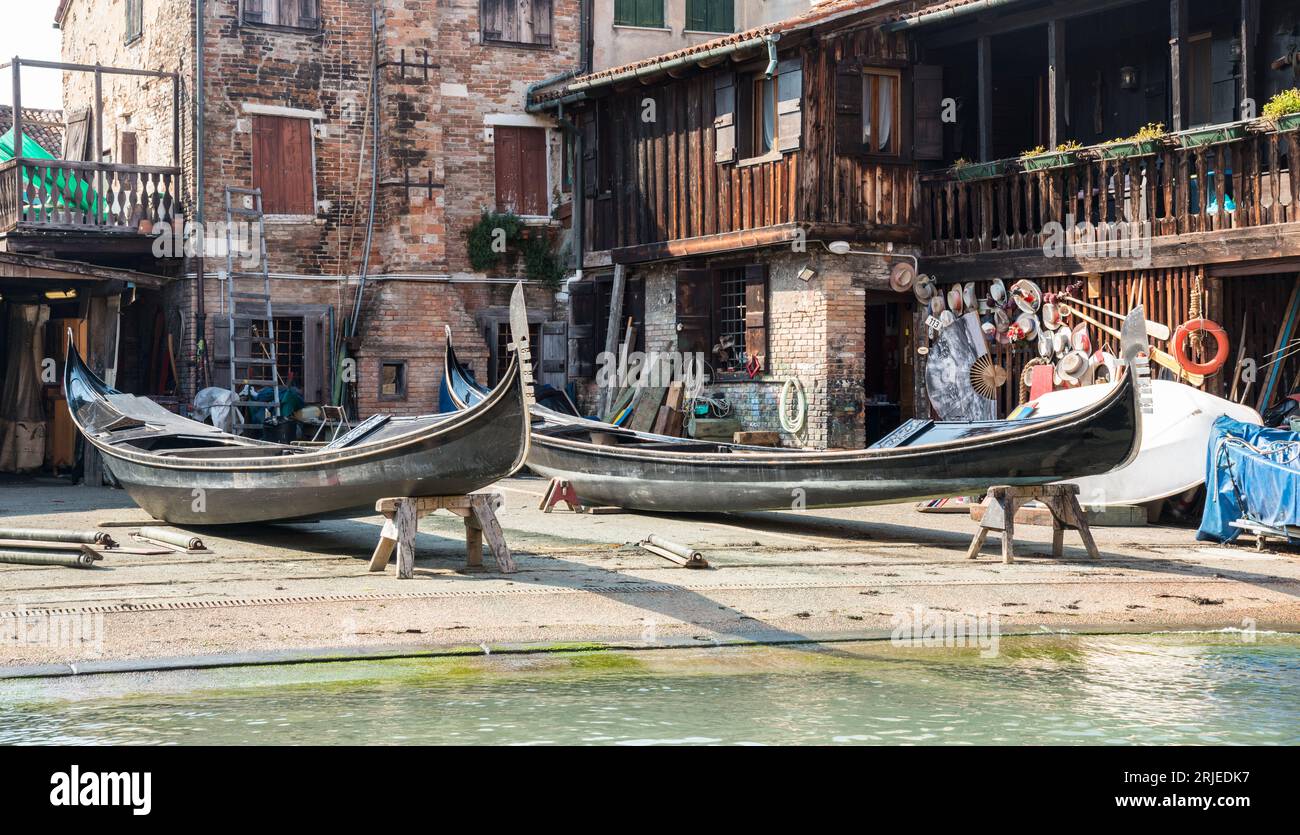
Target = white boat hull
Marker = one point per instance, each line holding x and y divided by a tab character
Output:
1171	459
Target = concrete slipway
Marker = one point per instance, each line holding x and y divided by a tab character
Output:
273	591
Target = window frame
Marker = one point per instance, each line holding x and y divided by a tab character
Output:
486	41
134	15
403	380
870	89
310	214
317	26
740	275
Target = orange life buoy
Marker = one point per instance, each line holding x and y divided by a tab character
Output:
1184	333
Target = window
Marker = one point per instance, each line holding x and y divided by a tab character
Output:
710	15
283	165
525	22
295	14
521	170
639	13
880	114
290	359
134	20
392	380
756	114
1200	63
722	314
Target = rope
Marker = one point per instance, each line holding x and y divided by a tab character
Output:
796	424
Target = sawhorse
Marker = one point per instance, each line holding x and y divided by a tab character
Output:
1061	499
402	516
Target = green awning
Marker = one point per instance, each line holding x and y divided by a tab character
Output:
54	180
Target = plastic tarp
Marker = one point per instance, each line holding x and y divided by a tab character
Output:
54	179
217	403
1250	473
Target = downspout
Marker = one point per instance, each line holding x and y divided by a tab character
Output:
945	15
374	170
200	313
771	58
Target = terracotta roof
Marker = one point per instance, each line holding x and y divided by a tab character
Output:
45	126
930	8
821	13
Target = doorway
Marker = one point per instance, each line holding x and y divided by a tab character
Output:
887	388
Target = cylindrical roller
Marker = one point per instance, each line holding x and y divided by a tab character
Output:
178	538
71	559
45	535
683	551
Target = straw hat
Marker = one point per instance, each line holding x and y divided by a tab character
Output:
946	318
937	305
1104	364
998	292
1079	338
1027	295
1028	324
1061	342
955	301
902	276
968	296
1071	368
923	287
1045	343
1051	316
1001	320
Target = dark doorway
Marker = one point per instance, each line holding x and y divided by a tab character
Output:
887	387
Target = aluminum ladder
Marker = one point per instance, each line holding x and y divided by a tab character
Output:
256	332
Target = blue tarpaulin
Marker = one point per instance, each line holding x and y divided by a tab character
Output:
1250	473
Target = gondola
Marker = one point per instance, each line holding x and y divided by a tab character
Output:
191	473
459	388
924	459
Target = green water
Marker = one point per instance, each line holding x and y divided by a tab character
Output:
1082	690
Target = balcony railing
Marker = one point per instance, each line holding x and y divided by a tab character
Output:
58	195
1245	175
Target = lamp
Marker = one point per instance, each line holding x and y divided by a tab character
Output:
1128	78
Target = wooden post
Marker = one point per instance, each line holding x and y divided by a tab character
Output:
1249	34
985	81
612	331
1178	62
176	122
1055	82
407	522
18	114
96	204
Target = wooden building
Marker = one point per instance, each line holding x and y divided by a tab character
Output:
715	179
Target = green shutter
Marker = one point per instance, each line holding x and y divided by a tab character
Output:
710	15
639	12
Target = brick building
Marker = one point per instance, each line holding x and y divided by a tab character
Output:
286	106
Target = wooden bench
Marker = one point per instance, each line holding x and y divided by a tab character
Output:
1062	500
401	521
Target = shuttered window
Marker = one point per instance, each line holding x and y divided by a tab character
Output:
639	13
134	19
295	14
521	170
927	112
283	165
710	15
868	110
516	21
723	315
755	114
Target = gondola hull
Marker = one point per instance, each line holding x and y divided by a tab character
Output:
187	473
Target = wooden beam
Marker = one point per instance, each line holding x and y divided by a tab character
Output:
781	234
984	79
613	330
1249	40
952	36
1055	82
1178	62
18	108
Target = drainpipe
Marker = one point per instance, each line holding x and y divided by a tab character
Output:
200	314
945	15
771	58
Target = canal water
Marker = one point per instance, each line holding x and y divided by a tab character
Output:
1167	688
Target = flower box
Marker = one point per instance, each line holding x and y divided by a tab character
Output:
981	170
1213	135
1051	159
1128	148
1291	121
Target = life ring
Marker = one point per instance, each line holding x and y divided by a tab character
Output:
793	426
1184	333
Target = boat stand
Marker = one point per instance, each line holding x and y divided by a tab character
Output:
1061	499
402	517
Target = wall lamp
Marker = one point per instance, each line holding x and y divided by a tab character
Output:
845	248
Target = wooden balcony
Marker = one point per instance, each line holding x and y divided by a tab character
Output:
43	195
1184	198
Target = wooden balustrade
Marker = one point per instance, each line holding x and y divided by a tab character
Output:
1244	182
43	194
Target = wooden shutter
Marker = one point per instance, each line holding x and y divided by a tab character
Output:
128	153
76	137
695	311
848	109
315	358
134	19
509	178
542	22
927	112
491	13
255	11
697	15
789	105
532	162
521	170
554	350
756	313
282	165
587	124
724	117
308	14
710	15
582	333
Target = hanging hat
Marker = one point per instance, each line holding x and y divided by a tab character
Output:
1079	340
955	301
937	305
902	276
1028	324
1044	344
1061	342
998	292
1027	295
923	287
1104	364
1001	320
946	318
1051	315
1071	368
968	296
990	330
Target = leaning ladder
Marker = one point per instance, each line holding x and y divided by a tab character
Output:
255	332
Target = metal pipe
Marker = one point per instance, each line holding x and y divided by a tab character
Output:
68	559
178	538
663	66
374	167
200	158
45	535
945	15
771	59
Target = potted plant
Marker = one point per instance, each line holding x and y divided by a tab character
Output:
1146	141
1041	159
1283	110
965	170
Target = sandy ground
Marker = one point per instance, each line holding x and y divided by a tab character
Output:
774	577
